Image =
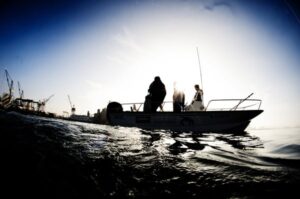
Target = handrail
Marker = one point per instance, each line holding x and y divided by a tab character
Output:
234	108
133	108
214	100
131	103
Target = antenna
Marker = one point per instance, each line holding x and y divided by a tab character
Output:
199	68
200	71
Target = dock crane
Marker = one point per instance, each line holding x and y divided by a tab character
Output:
10	83
19	101
41	105
46	100
21	92
7	98
72	106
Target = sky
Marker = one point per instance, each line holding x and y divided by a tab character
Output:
100	51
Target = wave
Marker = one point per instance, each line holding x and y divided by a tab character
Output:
72	159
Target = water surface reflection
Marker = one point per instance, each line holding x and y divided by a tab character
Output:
64	158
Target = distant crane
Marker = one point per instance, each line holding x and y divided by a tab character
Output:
72	106
10	83
46	100
21	92
19	101
41	105
7	98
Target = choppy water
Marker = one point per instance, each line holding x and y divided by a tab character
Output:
49	158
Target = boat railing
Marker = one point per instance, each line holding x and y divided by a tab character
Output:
250	103
137	106
234	104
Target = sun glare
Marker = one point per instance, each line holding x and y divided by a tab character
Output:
113	54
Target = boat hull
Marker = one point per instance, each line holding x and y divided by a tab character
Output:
205	121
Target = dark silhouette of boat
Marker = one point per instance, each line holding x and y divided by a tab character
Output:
235	119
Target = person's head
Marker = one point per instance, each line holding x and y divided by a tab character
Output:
197	87
157	78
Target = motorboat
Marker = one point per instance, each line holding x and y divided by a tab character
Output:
231	120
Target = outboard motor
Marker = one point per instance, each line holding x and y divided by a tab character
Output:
113	107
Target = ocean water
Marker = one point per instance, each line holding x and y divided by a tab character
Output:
52	158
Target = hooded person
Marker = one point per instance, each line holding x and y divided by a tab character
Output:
157	93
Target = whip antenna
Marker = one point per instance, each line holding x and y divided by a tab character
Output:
200	71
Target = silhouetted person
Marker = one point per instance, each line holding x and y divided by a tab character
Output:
197	103
178	100
157	93
199	94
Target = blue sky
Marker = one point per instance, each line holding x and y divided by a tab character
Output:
97	51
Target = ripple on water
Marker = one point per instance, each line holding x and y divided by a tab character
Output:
131	162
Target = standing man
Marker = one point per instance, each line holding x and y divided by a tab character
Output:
198	98
197	103
157	92
178	99
199	94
